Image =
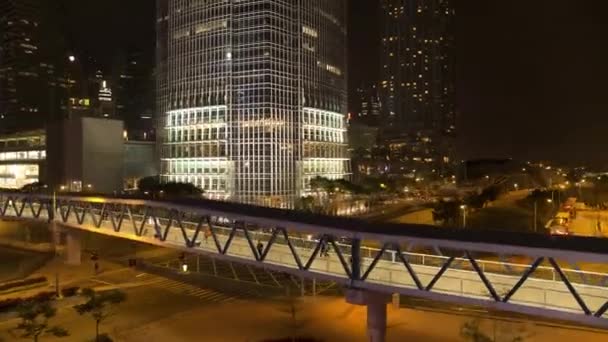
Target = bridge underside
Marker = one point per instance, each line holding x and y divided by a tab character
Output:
478	274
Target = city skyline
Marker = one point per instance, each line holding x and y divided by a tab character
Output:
299	170
514	96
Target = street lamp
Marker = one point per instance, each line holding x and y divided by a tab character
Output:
536	211
550	201
464	215
516	186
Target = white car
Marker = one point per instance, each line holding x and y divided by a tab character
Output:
559	230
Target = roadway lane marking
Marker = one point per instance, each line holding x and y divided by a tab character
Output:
102	281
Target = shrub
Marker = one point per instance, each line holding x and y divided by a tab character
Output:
44	296
69	291
10	304
104	338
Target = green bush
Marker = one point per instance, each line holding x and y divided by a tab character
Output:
69	291
10	304
104	338
44	297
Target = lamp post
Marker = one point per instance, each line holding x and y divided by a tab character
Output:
536	211
464	215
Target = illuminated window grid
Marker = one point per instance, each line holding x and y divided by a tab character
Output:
239	54
15	176
196	143
324	140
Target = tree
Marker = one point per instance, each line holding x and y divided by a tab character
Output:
575	175
600	191
35	317
148	184
491	193
448	212
472	332
322	184
153	186
180	189
307	204
501	331
98	305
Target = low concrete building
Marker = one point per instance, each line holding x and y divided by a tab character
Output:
85	154
82	154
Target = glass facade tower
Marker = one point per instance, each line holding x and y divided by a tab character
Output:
252	96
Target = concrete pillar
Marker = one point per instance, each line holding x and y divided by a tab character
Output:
376	311
73	248
355	259
396	300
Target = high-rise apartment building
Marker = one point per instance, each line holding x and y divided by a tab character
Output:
417	73
20	84
252	96
31	87
133	91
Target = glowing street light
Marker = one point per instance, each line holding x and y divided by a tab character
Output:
72	58
464	215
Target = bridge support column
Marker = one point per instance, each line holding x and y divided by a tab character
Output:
73	248
376	311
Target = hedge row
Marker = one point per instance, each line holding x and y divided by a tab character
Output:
11	304
21	283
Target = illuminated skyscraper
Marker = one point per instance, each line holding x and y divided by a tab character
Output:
417	73
252	96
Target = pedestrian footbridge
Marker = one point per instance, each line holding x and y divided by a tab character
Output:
460	266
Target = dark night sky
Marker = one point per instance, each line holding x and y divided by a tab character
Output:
531	74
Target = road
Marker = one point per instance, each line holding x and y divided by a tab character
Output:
585	223
162	309
223	307
392	212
